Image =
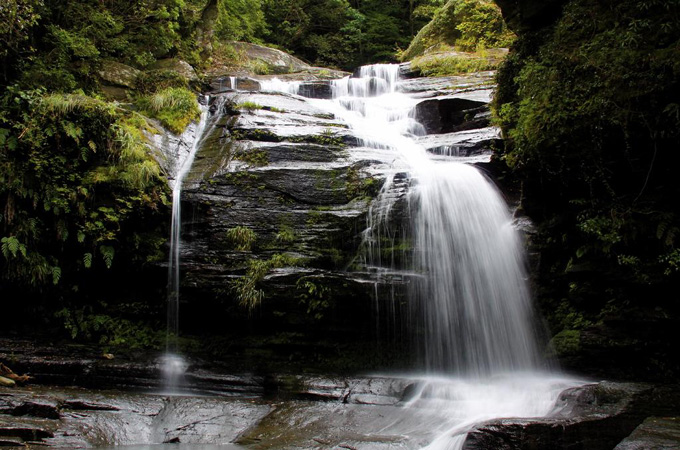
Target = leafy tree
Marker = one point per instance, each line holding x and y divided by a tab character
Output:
240	20
590	107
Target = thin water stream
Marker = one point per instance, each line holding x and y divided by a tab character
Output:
173	365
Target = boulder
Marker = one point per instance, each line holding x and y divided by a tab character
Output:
659	433
593	417
316	89
115	93
118	74
177	65
274	60
449	114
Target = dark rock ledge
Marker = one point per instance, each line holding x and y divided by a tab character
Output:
593	417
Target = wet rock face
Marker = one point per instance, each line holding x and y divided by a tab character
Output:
113	418
445	115
594	417
278	197
660	433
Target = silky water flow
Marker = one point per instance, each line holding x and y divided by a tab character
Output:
173	366
469	303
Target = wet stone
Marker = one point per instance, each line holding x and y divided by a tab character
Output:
655	433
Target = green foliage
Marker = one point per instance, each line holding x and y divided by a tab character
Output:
17	18
70	39
110	332
241	238
240	20
151	81
259	67
451	64
75	173
314	295
286	235
248	106
342	33
11	247
176	108
246	288
465	25
589	106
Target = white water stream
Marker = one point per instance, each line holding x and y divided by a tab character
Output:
173	365
470	305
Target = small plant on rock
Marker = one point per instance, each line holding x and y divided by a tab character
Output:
242	238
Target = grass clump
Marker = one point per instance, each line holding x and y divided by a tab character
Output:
242	238
246	288
452	64
255	157
249	106
175	107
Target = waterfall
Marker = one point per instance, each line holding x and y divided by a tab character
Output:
173	366
469	304
277	85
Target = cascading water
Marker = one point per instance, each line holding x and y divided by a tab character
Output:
173	366
469	302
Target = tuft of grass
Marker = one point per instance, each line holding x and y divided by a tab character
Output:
246	288
249	106
452	64
175	107
242	238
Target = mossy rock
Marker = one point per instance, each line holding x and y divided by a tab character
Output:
463	24
566	342
118	74
176	65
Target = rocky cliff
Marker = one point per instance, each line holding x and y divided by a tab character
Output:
275	208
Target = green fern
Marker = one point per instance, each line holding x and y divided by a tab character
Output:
56	274
87	260
12	246
107	255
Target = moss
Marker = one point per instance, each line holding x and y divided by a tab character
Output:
174	107
566	342
255	134
255	157
452	64
328	137
464	25
157	80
